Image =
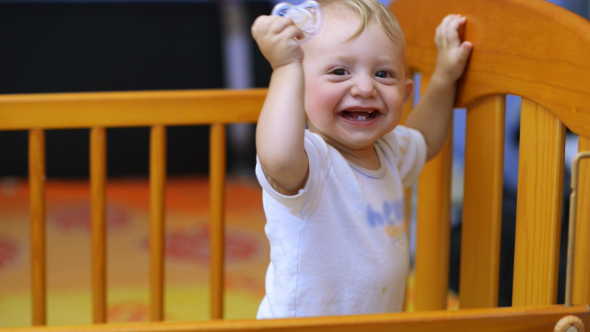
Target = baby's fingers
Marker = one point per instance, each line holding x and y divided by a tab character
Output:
280	23
452	28
448	32
465	50
277	38
292	31
441	36
270	25
440	30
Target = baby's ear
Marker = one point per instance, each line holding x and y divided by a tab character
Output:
409	89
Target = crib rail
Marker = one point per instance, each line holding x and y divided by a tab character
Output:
129	109
98	111
498	319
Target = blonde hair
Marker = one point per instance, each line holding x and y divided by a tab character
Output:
370	11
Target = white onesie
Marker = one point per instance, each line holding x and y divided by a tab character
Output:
339	246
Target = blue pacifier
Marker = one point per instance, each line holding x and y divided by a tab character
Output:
307	16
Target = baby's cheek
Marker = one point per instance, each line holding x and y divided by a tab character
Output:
313	99
311	102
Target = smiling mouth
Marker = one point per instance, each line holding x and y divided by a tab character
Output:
359	115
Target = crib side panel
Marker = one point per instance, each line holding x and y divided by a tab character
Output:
94	111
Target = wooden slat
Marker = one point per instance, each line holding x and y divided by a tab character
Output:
98	174
217	180
38	253
539	206
433	229
581	293
128	109
408	298
476	320
157	216
482	204
582	156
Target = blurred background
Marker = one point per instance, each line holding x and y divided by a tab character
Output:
94	45
105	45
98	45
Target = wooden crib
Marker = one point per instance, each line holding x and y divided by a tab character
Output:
529	48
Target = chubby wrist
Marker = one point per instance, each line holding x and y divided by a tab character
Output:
293	65
442	78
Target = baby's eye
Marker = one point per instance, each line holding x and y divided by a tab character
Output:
339	72
384	74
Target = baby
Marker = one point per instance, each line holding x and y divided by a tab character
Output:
333	193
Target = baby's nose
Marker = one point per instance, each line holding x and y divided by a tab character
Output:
363	87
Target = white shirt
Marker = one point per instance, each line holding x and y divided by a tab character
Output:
339	247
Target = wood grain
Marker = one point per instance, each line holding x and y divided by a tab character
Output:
157	220
482	207
98	176
513	52
129	109
38	240
217	180
539	206
408	298
433	216
531	319
581	283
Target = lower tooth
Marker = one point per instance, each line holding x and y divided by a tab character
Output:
362	118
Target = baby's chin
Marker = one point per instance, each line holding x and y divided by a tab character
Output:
348	143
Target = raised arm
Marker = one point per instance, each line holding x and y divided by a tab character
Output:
281	127
433	114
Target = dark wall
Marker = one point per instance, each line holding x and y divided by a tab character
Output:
54	47
72	47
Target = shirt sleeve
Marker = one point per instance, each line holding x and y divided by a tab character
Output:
409	152
319	164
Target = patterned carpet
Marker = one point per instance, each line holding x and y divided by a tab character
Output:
187	251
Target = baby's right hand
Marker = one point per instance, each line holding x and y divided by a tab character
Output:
278	39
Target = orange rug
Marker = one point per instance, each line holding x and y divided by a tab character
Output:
187	251
69	299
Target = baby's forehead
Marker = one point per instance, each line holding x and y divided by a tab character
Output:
338	11
329	50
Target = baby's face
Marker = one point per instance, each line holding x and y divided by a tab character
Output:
354	89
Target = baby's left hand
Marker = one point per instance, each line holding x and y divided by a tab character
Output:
452	54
